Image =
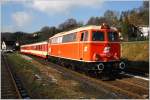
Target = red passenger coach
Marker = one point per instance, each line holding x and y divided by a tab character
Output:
95	47
38	49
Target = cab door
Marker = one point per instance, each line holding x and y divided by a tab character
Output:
82	44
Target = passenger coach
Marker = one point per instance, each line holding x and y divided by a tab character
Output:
38	49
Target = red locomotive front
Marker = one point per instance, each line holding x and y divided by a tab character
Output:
107	47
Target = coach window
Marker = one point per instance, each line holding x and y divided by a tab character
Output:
44	47
49	40
41	47
97	36
59	39
54	40
84	36
38	47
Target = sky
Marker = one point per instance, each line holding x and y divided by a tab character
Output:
31	15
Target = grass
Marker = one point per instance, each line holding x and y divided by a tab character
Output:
136	51
137	55
65	87
45	88
36	88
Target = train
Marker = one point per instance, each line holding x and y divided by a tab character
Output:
90	48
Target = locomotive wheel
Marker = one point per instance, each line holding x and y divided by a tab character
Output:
117	75
62	64
86	71
107	76
72	67
66	65
58	62
92	73
46	59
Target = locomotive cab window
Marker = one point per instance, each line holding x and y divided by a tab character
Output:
112	36
84	36
97	36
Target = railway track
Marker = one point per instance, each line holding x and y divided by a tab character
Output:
11	86
124	87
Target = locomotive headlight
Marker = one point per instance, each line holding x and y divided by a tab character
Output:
106	51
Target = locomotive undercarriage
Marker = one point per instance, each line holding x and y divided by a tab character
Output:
101	69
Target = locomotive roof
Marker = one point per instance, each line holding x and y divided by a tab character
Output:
38	43
76	30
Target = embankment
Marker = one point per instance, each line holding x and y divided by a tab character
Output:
136	54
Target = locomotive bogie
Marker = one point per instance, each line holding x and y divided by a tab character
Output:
99	67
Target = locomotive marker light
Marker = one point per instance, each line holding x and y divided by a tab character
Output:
85	49
122	65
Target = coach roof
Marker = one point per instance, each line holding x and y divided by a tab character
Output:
38	43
